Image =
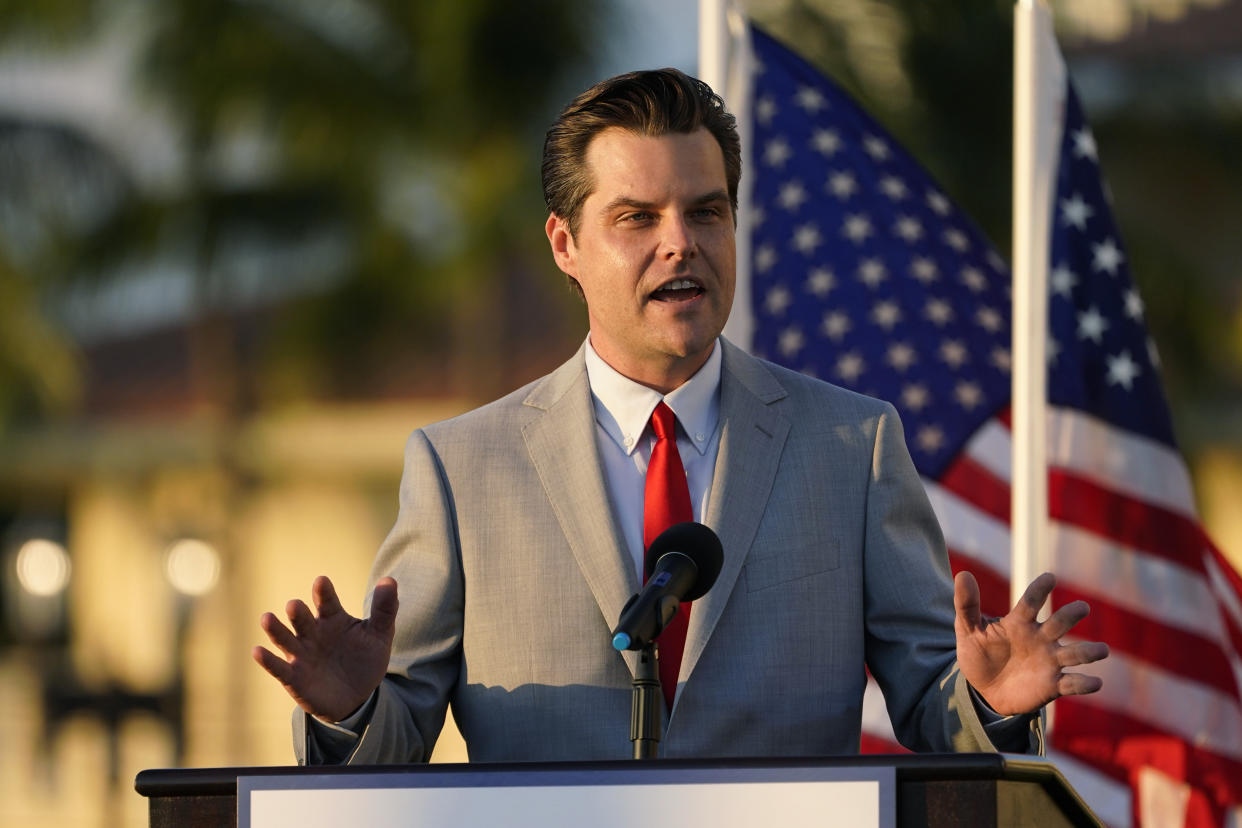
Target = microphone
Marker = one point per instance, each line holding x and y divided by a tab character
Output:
682	565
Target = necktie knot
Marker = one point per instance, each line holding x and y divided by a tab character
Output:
664	422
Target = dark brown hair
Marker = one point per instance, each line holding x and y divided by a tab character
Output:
656	102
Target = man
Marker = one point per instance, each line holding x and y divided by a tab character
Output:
521	529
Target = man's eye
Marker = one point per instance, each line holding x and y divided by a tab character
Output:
641	216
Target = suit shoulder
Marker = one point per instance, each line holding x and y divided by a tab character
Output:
809	393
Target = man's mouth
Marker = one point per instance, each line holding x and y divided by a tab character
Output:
678	290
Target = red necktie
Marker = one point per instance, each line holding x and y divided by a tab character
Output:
666	502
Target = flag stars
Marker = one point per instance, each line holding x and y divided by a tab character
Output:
791	341
765	110
939	204
989	319
1134	305
886	315
806	238
1122	370
876	147
777	300
1001	360
872	272
1091	325
956	239
996	262
820	281
939	311
777	152
1063	281
1084	144
924	270
930	439
954	353
1107	257
826	141
968	395
1075	212
842	185
915	396
765	258
851	366
856	228
908	229
893	187
901	356
792	195
836	325
973	278
810	99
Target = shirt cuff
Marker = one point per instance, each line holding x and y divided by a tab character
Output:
332	742
1008	734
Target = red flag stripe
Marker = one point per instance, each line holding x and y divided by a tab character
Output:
1197	658
1108	738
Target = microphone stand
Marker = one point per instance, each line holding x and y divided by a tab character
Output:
646	706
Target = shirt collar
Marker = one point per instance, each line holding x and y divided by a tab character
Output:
623	407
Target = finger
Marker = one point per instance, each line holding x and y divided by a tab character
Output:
384	606
1083	652
301	618
966	600
280	635
1065	619
1077	684
324	595
1027	608
276	666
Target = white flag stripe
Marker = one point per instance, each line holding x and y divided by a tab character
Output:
969	530
1203	716
1224	592
1142	583
1108	798
990	447
875	715
1127	463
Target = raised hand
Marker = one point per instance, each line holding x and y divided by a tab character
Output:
1017	663
332	661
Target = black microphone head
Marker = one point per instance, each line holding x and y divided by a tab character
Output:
696	542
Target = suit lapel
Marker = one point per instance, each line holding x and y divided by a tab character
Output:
561	444
751	441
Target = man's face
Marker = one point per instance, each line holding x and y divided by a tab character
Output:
654	252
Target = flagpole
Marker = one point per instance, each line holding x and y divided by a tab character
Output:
724	65
1037	79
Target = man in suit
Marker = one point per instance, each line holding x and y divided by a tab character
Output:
521	528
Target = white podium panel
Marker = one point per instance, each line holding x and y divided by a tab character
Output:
720	798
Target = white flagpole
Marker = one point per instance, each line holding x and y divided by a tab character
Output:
725	66
1038	94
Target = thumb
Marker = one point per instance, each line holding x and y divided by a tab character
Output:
384	605
966	601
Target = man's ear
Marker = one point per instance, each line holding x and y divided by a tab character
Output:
563	250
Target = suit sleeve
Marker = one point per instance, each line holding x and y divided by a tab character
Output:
422	554
911	648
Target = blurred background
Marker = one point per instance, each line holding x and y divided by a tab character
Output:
246	246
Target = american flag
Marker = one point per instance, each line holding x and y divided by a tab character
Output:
863	273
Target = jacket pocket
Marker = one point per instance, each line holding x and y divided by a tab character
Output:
780	566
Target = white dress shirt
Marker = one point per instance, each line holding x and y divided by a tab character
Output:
624	438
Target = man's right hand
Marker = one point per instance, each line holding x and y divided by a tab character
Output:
333	661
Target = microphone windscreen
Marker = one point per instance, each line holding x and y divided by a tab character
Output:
697	542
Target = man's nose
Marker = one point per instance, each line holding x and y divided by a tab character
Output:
678	241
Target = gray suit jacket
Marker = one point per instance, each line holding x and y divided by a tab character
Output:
512	572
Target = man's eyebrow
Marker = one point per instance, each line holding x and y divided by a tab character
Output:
636	204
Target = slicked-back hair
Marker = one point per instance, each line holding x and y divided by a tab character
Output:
655	102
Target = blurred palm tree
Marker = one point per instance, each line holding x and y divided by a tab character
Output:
366	165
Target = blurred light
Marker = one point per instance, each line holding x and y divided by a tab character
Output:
193	566
43	567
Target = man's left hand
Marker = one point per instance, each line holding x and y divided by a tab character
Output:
1017	663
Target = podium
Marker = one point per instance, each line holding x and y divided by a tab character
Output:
976	789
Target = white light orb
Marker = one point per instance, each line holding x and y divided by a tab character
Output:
43	567
192	566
